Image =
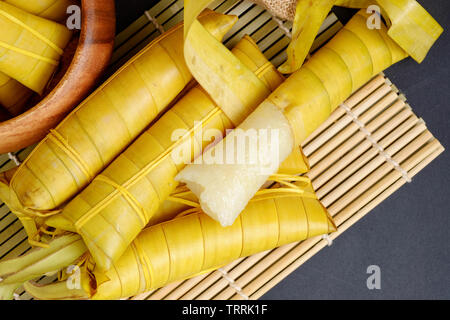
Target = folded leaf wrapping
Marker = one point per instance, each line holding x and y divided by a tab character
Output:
13	95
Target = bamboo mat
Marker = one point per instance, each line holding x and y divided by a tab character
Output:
363	153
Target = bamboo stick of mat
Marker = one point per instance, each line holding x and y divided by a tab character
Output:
397	129
366	172
377	101
402	122
367	176
382	112
392	143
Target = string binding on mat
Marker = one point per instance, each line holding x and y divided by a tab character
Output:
233	284
328	239
374	143
155	22
14	158
282	27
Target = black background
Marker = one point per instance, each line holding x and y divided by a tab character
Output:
408	234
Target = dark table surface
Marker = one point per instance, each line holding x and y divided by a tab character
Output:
407	236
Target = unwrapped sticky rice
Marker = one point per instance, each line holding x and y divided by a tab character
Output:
233	170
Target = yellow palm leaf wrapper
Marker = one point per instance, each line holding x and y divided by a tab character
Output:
309	16
88	139
30	46
125	196
55	10
295	109
411	26
193	243
13	95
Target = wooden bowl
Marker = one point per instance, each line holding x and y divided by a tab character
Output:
92	55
